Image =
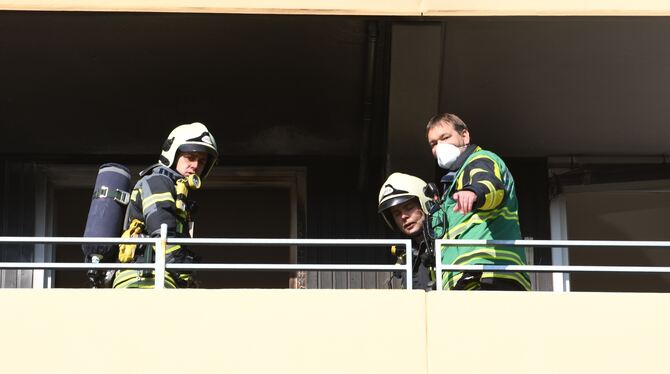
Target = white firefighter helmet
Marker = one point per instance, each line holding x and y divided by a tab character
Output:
193	137
398	189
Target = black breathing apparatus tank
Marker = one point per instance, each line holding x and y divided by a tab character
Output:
108	207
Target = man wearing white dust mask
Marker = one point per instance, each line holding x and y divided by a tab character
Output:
479	202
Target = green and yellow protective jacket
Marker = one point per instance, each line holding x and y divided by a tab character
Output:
493	217
153	201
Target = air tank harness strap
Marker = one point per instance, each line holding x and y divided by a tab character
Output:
103	192
127	251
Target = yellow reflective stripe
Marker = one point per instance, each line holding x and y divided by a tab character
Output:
450	279
509	215
461	227
476	171
132	279
153	199
169	281
489	186
514	259
490	254
172	248
169	249
496	196
133	195
496	168
504	211
123	284
479	218
493	198
124	276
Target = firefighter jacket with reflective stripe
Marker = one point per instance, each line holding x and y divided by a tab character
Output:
153	201
494	217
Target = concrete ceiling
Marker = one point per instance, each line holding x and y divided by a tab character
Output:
114	83
561	86
97	83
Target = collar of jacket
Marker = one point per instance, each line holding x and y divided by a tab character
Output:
162	170
464	156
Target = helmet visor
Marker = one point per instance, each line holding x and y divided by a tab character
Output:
386	204
195	147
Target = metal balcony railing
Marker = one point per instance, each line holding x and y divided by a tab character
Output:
556	244
160	267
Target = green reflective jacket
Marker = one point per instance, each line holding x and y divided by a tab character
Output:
494	217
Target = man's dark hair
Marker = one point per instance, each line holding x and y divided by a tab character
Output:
449	118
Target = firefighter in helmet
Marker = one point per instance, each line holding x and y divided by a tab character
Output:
161	196
404	206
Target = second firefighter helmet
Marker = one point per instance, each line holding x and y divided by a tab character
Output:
193	137
398	189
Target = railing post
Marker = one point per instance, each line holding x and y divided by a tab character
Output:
559	231
438	265
408	264
159	263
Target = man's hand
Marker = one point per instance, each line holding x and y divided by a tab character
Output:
465	199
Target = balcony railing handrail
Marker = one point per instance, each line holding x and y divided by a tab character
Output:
161	242
440	268
73	240
327	242
200	241
159	267
554	243
282	241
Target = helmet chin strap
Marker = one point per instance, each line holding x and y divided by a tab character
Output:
419	235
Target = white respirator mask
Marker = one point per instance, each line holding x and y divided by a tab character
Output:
446	154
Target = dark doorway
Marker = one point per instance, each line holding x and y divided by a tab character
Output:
243	213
